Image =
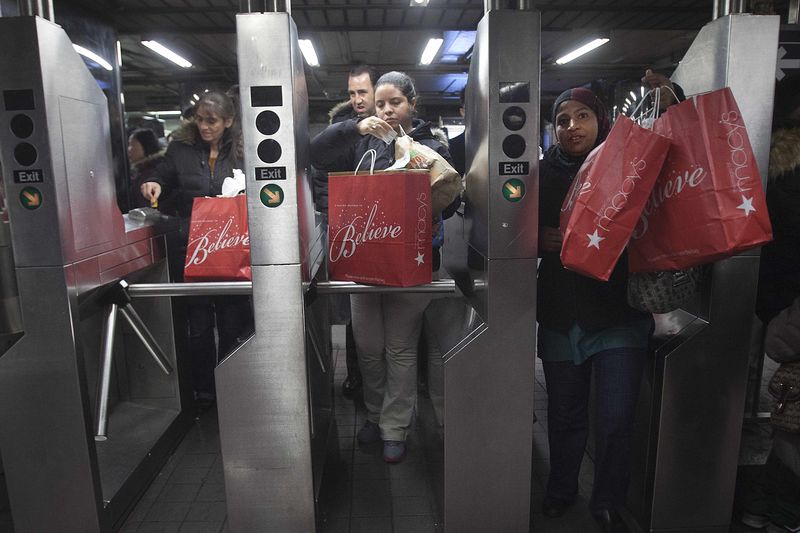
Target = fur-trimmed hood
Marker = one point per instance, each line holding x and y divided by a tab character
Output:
784	153
150	160
341	111
231	141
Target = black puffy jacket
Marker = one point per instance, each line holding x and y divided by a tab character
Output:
563	296
184	173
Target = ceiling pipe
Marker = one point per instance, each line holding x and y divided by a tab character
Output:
265	6
29	8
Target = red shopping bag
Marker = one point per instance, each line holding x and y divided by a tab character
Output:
219	243
379	227
607	196
708	202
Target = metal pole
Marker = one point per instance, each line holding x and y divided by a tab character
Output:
50	14
146	337
104	383
220	288
26	8
794	11
739	6
721	8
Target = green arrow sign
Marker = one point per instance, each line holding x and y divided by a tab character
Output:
30	198
271	195
513	190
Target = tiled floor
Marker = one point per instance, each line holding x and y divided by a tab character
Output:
361	494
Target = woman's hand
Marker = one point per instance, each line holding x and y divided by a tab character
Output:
654	80
375	127
151	191
549	239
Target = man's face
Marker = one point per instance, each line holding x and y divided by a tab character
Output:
362	94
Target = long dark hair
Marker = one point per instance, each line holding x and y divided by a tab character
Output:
223	105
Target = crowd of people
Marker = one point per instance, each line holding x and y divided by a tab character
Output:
587	332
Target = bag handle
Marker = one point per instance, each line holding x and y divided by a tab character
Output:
374	155
655	111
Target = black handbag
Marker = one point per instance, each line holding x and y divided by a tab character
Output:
662	292
784	387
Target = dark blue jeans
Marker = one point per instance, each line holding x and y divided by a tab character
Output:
232	316
617	374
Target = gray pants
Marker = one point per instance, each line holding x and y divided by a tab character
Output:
387	329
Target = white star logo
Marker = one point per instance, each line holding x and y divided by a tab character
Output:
420	258
746	206
594	239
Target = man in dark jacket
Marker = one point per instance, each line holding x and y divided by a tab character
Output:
361	88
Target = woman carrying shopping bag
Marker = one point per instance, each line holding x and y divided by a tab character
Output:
386	326
585	327
201	155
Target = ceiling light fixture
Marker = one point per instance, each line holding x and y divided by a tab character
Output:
627	102
165	113
195	96
633	95
419	3
642	91
119	54
307	47
430	50
163	51
92	56
580	51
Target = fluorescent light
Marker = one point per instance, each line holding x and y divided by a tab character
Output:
165	113
307	47
633	95
627	102
163	51
195	96
580	51
419	3
119	54
92	56
430	50
642	91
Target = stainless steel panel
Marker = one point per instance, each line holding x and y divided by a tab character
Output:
740	52
10	318
67	150
89	177
489	389
47	449
695	391
500	228
263	406
268	55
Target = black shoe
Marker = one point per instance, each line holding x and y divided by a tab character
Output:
610	522
351	386
555	508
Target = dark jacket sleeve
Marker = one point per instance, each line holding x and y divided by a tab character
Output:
165	173
333	149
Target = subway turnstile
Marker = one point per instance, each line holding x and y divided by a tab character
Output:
274	392
86	424
692	404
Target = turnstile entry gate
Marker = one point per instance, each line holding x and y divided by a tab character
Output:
88	417
690	417
274	392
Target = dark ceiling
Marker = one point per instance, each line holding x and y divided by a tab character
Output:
390	34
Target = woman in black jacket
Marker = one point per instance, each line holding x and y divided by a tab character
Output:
386	326
585	327
144	156
201	155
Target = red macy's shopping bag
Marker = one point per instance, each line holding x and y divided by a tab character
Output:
379	227
219	243
708	202
606	197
